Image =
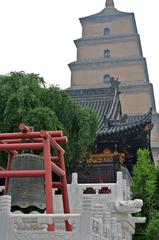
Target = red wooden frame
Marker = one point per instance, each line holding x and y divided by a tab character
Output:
43	140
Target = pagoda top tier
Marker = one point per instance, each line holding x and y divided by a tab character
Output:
108	11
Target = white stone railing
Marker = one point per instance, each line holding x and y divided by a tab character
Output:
38	222
34	226
118	191
109	234
99	212
6	226
99	231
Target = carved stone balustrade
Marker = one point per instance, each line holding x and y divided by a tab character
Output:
99	211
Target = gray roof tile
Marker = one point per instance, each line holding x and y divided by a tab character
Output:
106	103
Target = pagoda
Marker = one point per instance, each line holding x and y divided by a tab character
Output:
110	61
91	211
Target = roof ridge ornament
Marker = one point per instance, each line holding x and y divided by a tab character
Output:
109	4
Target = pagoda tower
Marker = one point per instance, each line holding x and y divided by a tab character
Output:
110	47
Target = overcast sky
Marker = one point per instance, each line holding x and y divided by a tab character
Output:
37	35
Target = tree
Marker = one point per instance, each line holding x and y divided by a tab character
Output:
25	98
152	230
145	186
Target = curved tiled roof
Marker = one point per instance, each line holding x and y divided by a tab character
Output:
104	107
104	100
126	126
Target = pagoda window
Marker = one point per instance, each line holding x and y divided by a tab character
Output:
107	78
106	31
106	53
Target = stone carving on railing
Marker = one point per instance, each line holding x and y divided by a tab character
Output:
93	190
100	231
139	219
29	225
89	190
108	234
46	236
96	229
96	226
39	222
34	226
104	190
132	206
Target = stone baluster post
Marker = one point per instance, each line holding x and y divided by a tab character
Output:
76	234
74	194
86	218
125	190
114	225
119	187
6	225
98	211
119	229
107	218
74	178
106	222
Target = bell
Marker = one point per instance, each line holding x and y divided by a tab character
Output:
27	193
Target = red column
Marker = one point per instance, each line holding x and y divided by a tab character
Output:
64	190
10	156
48	180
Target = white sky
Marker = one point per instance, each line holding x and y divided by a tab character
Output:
37	35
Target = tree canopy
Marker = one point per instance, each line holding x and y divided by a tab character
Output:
146	187
25	98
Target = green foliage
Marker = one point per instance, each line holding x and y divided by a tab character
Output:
25	98
145	186
47	119
19	93
83	129
152	230
144	180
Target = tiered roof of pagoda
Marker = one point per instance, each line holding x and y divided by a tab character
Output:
108	11
104	101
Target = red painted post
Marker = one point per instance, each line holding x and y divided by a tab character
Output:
57	170
56	185
20	146
2	169
40	140
23	128
22	173
29	135
18	140
53	143
55	159
10	156
48	180
66	205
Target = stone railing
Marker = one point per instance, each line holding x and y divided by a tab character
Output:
6	225
34	226
119	191
99	231
99	212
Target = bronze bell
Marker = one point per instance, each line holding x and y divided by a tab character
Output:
27	192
